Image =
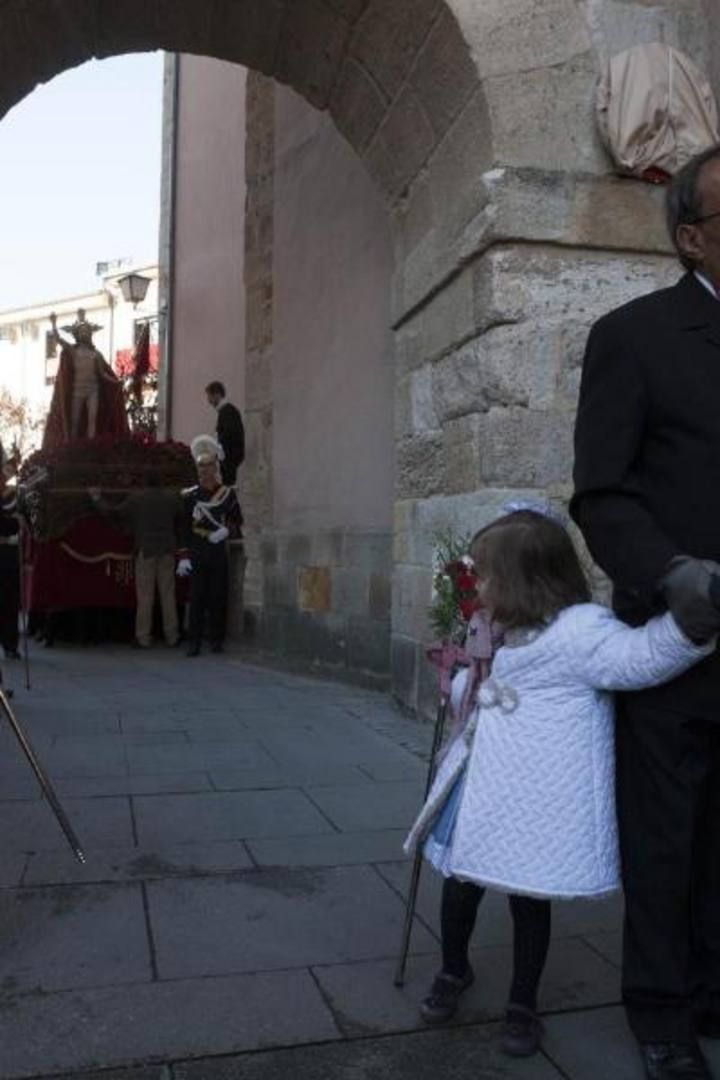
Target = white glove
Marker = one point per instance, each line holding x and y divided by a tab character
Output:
184	568
219	535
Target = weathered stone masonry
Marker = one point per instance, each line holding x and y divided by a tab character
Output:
475	120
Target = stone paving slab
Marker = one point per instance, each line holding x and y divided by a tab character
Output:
229	815
92	755
608	943
313	749
31	826
51	719
110	1027
19	784
275	919
142	784
365	1000
12	865
241	754
409	769
450	1054
58	939
354	808
191	721
333	849
137	864
309	776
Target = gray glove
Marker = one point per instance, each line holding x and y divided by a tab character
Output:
686	590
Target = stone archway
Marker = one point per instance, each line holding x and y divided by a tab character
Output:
510	233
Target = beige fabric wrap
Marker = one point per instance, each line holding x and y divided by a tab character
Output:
655	109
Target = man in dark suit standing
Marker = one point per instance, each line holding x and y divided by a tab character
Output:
230	432
647	499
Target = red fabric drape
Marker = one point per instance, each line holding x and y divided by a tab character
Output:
91	565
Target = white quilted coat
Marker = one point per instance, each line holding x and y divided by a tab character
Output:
537	811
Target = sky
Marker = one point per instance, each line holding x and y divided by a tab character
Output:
80	178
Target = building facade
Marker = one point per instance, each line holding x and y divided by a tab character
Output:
471	131
29	356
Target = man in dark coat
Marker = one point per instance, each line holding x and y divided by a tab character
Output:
230	432
647	498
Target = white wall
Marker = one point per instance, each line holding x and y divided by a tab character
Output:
333	447
209	294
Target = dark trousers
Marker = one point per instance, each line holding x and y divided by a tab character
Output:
209	593
668	789
531	941
9	597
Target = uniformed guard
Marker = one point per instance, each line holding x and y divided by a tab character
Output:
212	518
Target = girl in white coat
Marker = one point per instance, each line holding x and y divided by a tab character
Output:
524	800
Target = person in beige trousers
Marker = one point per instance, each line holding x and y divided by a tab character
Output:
153	517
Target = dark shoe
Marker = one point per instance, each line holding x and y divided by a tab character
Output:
140	644
217	647
674	1061
12	654
194	650
442	1001
522	1032
707	1024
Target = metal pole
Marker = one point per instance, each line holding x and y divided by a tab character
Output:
399	979
42	777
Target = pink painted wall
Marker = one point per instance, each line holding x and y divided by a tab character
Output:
333	381
209	295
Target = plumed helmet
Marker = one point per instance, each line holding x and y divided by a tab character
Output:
206	450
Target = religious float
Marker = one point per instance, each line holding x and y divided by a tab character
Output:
74	557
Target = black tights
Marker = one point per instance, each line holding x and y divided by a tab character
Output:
531	919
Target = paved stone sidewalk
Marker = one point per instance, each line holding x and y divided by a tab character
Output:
241	907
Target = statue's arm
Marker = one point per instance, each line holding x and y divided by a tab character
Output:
61	341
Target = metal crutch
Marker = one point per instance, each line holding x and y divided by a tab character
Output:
42	777
440	719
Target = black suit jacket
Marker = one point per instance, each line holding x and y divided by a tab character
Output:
231	436
647	452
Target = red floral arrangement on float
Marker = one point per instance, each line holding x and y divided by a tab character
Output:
53	482
137	450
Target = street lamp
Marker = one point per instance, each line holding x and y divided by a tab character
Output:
134	288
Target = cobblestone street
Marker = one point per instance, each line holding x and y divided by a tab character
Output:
242	902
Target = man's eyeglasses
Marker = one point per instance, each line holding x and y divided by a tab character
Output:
705	217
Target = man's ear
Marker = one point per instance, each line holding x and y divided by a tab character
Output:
690	242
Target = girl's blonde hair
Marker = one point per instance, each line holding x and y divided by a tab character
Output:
530	567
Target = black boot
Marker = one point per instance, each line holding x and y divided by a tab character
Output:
522	1032
674	1061
707	1023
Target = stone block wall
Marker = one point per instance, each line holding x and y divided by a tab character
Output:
327	600
491	418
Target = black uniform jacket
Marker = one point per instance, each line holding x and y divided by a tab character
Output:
231	434
222	509
647	453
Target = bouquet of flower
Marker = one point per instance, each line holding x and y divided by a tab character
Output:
454	588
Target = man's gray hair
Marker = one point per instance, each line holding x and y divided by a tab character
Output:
683	203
